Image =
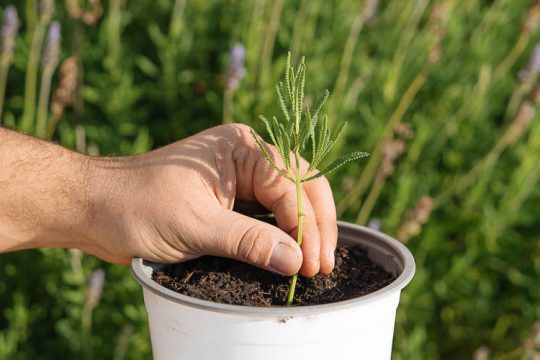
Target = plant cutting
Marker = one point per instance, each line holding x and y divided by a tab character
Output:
297	128
345	327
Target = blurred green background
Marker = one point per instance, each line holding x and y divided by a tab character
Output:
443	94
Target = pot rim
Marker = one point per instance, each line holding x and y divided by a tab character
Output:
285	311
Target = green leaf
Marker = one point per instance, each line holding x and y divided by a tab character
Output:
327	136
146	66
318	106
279	138
339	131
316	146
282	102
286	147
342	160
321	133
155	34
287	75
324	143
267	156
304	132
313	146
268	128
292	81
299	95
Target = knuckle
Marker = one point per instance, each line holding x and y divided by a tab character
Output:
255	247
286	203
242	128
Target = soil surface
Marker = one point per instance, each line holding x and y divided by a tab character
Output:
232	282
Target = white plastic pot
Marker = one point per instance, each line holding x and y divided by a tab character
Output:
182	327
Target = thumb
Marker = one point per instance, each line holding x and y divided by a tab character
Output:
254	242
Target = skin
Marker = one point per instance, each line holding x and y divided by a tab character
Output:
168	205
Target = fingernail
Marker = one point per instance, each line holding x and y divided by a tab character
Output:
331	259
284	259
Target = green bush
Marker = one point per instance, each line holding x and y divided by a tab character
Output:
443	94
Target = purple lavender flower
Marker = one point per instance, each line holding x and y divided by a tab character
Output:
236	70
10	26
95	287
51	53
375	224
533	68
535	59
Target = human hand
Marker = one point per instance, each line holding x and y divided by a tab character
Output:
175	203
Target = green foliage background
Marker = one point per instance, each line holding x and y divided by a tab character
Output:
154	73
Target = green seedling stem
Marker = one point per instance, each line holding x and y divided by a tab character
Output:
292	132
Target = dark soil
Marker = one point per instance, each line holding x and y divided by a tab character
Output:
232	282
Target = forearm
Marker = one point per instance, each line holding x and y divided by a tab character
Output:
43	194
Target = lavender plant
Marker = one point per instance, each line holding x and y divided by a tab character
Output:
298	126
8	33
49	60
45	11
236	71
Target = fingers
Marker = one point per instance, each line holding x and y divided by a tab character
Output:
258	181
254	242
322	201
285	209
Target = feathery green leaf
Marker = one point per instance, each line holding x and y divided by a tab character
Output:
342	160
304	131
318	106
286	147
339	132
279	137
287	76
300	80
268	129
267	156
282	102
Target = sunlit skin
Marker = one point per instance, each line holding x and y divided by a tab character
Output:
168	205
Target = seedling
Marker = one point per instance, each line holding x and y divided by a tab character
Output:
291	133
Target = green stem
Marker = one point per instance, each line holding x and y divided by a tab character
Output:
472	102
513	56
78	40
374	160
52	124
298	27
524	180
4	67
290	297
29	110
472	176
170	52
41	122
298	182
346	61
266	52
403	49
31	11
175	26
370	202
114	42
86	331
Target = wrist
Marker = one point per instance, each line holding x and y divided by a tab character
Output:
68	223
64	205
108	184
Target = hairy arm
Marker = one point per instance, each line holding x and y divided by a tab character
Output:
43	201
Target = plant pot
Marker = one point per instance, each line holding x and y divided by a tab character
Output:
182	327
